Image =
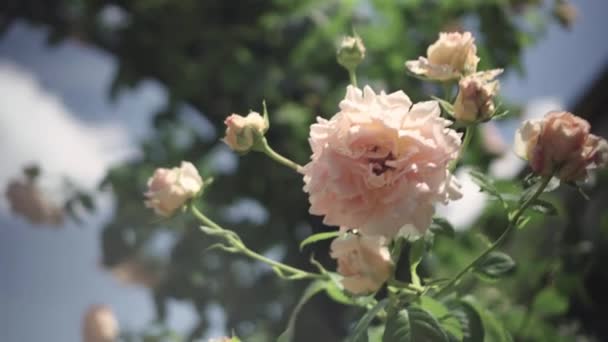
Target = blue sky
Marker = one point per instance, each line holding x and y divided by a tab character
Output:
54	110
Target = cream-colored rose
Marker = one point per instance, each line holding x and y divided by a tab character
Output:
475	100
363	261
242	132
453	55
27	200
99	325
381	164
169	189
560	144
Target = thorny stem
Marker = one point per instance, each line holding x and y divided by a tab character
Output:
236	242
501	238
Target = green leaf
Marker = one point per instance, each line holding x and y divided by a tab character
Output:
495	265
543	207
443	227
470	322
485	184
360	332
413	324
318	237
335	290
311	290
448	321
494	331
445	105
550	302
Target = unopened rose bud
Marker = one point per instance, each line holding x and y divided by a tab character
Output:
475	100
566	13
363	261
99	325
452	56
169	189
27	200
243	133
560	144
351	52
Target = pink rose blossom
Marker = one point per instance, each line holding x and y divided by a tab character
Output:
453	55
363	261
561	143
381	164
169	189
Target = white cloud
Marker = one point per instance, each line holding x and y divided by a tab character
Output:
36	126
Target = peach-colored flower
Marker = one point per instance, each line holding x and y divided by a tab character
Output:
475	100
560	142
453	55
169	189
28	200
380	164
99	325
363	261
242	132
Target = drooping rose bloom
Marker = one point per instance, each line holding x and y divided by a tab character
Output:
169	189
560	142
28	200
380	164
363	261
475	100
241	131
99	325
453	55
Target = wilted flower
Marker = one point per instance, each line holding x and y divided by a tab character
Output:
99	325
475	100
380	164
169	189
242	132
363	261
453	55
26	199
351	52
561	143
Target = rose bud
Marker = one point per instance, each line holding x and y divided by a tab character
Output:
560	144
242	133
363	261
452	56
99	325
475	100
351	52
169	189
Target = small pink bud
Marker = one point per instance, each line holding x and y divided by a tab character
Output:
99	325
242	133
475	100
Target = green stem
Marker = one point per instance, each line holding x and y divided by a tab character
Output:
353	77
279	158
501	238
238	244
468	136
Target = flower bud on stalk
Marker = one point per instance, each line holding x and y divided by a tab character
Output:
169	189
560	143
245	133
351	52
475	100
